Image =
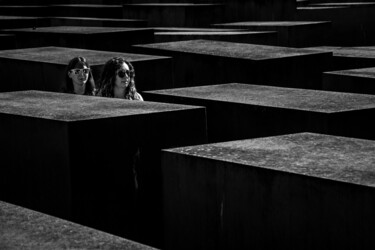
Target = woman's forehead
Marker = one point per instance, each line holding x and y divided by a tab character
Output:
80	65
124	66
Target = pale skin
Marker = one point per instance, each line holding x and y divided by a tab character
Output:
121	83
79	80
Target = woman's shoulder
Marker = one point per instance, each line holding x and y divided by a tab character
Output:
138	97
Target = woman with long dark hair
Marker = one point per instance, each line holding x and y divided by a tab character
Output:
118	80
78	77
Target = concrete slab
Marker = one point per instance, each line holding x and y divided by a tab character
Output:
349	57
290	33
44	68
87	10
12	22
92	160
352	23
175	14
97	22
25	10
241	111
253	37
7	41
298	191
25	228
97	38
354	81
204	62
243	10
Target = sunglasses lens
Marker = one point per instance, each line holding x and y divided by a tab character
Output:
78	71
121	73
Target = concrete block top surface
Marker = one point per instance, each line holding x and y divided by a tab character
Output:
61	55
88	5
272	23
163	5
336	158
363	72
19	18
323	8
185	29
95	19
69	107
269	96
231	49
23	228
79	30
360	52
346	4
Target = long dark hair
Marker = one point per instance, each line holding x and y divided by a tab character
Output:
79	61
108	78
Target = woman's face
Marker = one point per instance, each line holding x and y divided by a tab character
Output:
122	76
79	75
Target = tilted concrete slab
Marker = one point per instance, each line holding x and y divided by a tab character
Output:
295	191
241	111
92	160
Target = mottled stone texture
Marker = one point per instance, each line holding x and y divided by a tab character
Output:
204	62
241	111
92	160
97	38
23	228
43	68
296	191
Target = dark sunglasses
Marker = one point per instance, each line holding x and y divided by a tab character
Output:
121	73
78	71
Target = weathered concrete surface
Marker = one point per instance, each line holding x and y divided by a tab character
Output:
298	191
258	37
22	228
43	68
354	81
240	111
203	62
92	160
290	33
97	38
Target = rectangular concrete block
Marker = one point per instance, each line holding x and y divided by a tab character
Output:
241	111
354	81
352	23
98	38
13	22
296	191
290	33
92	160
203	62
24	228
87	10
96	22
345	58
175	14
44	68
